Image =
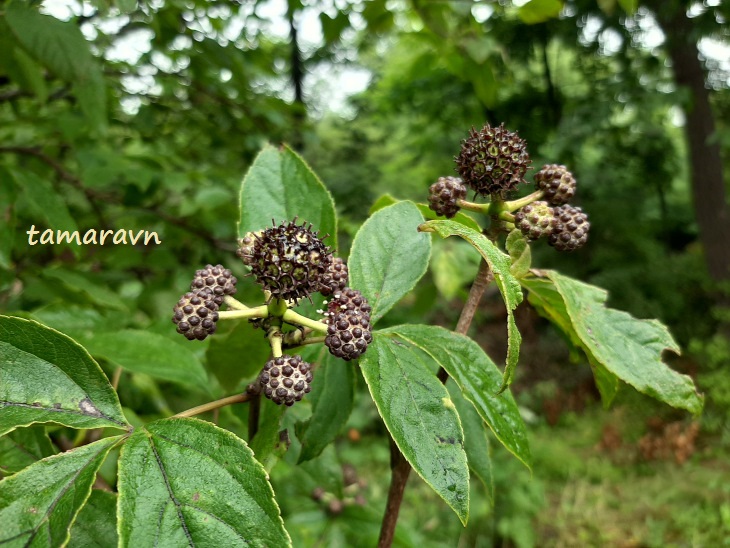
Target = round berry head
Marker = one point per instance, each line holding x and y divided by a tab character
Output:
556	182
217	279
492	160
286	379
196	314
348	324
535	220
443	194
335	278
570	230
289	260
245	247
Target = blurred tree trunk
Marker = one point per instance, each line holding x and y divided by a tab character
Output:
708	187
297	79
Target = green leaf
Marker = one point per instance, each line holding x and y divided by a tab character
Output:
332	398
453	267
187	482
267	444
8	200
38	505
279	185
81	283
508	285
48	377
519	252
22	447
44	202
62	48
616	344
237	355
420	417
476	442
96	524
389	256
539	11
386	199
144	352
629	6
479	379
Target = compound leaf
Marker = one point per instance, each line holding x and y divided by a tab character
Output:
39	504
48	377
616	343
279	185
479	380
420	416
187	482
508	285
389	256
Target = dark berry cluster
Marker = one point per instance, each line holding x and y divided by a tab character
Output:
535	220
556	182
217	279
196	314
288	260
286	379
336	277
444	194
492	160
570	230
348	324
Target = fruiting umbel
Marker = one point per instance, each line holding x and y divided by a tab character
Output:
286	379
492	160
336	277
556	182
535	220
570	228
348	324
217	279
443	195
288	260
196	314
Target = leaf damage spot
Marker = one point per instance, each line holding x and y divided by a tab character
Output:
448	403
88	408
450	440
196	497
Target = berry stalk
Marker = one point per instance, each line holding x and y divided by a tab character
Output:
292	317
257	312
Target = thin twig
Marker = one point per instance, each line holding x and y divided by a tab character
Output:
217	404
116	377
400	467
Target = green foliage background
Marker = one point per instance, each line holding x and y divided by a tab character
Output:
159	141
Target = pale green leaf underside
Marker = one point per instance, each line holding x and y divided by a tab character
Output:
479	379
48	377
279	185
39	504
22	447
628	348
389	256
186	482
508	285
420	417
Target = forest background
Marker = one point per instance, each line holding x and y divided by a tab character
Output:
145	115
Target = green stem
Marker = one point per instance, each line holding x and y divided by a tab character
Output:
471	206
277	308
257	312
210	406
297	319
275	337
514	205
234	304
